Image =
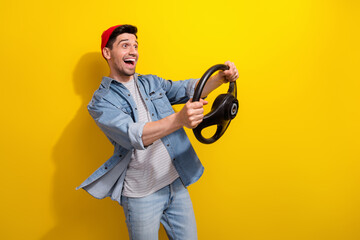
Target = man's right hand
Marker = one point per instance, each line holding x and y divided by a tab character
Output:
192	114
189	116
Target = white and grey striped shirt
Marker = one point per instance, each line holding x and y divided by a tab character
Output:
150	169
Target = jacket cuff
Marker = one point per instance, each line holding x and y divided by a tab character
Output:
135	134
191	87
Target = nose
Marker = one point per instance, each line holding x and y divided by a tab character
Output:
133	50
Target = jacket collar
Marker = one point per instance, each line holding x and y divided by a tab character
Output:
106	81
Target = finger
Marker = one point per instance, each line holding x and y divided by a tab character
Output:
196	111
203	101
234	77
199	104
196	105
193	113
198	117
232	73
228	63
236	71
195	123
232	69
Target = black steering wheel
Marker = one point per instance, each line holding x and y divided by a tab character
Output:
223	110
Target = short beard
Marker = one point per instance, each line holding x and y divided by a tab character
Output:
123	73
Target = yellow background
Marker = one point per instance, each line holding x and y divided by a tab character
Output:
288	166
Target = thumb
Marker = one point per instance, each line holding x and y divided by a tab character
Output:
204	102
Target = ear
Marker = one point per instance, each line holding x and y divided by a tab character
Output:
106	53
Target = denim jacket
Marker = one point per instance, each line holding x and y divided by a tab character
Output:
115	112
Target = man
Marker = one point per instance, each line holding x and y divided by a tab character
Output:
153	160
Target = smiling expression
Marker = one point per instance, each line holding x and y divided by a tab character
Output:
123	56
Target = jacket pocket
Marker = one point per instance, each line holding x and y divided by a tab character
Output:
121	104
160	101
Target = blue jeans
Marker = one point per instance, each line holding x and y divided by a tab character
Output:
171	206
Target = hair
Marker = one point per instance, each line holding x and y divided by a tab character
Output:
120	30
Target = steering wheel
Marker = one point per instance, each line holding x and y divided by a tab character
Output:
223	110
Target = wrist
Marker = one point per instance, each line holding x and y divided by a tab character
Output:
178	120
220	77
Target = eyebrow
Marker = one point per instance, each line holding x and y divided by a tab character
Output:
125	40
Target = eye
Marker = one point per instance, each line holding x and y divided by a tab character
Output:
125	45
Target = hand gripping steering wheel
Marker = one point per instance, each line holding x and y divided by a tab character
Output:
223	110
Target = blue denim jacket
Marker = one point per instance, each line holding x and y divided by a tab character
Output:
115	112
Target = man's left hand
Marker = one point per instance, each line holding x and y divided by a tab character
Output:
231	74
221	77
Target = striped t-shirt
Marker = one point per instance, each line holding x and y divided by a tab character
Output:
151	169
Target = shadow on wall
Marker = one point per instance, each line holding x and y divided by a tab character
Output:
81	149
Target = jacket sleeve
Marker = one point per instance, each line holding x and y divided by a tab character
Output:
117	125
179	91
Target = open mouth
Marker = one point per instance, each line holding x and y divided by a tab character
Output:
130	62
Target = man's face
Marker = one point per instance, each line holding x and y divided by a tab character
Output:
124	54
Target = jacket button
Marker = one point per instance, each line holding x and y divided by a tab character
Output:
105	168
167	144
120	155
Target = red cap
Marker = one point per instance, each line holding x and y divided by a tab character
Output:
105	37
